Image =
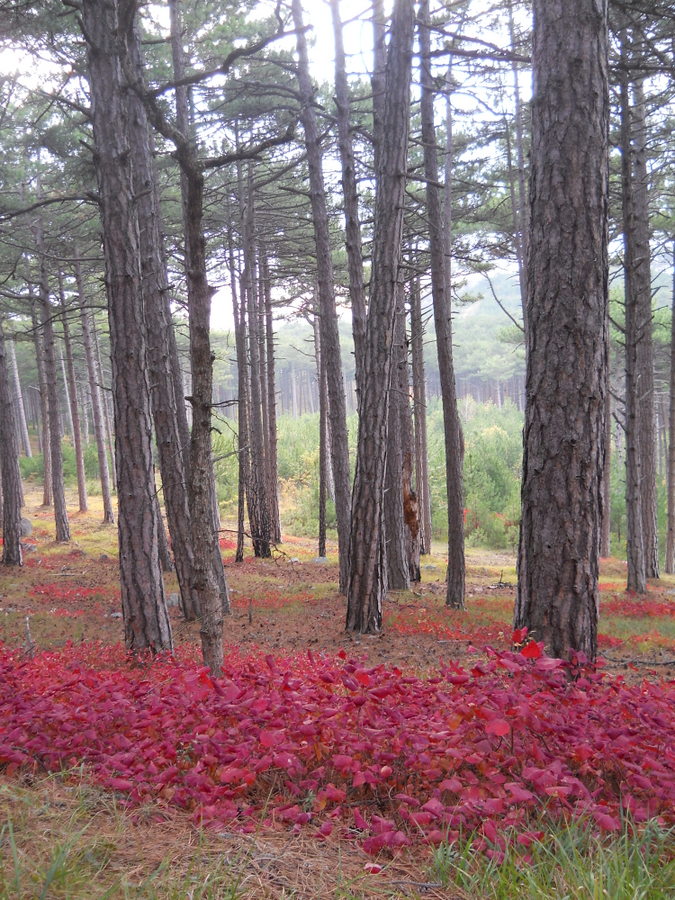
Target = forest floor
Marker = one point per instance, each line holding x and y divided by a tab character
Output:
68	595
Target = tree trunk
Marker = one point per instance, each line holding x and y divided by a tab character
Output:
440	286
45	442
239	317
55	449
567	338
519	193
9	465
398	570
258	507
146	621
357	290
74	406
367	582
20	409
323	436
161	348
670	540
638	299
330	336
420	417
271	393
411	509
97	411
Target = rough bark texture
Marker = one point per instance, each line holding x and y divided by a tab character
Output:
640	423
422	488
257	483
161	347
55	449
440	286
567	337
670	537
146	622
20	409
97	411
9	465
398	571
411	507
367	581
330	337
350	193
271	404
44	410
74	405
323	437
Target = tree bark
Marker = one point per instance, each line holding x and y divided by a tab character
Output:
670	539
398	569
9	465
258	506
55	448
20	409
44	411
74	406
557	599
146	622
271	405
367	581
330	336
323	436
357	289
440	287
97	410
161	348
420	417
641	483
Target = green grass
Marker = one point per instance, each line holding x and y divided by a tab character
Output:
569	863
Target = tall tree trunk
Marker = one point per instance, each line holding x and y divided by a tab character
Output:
638	297
97	410
107	397
636	551
38	340
398	570
18	393
411	508
323	436
146	621
55	448
69	369
519	200
357	289
161	348
330	336
367	582
420	417
239	317
10	474
258	507
440	286
567	337
606	529
670	539
271	394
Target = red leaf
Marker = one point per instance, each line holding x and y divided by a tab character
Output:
498	726
533	650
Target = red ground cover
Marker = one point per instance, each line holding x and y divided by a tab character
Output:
323	743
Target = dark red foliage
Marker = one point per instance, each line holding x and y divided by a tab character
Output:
321	743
